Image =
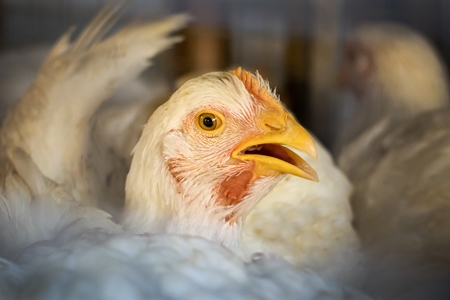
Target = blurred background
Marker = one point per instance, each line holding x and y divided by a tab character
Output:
293	43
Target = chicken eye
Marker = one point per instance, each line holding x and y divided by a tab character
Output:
209	121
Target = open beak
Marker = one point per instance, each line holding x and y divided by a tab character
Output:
268	151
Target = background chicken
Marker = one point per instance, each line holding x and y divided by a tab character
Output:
396	153
393	73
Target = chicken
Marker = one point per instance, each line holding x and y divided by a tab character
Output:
393	73
215	149
54	243
315	217
307	223
399	163
52	121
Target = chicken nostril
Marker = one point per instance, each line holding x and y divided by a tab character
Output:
274	126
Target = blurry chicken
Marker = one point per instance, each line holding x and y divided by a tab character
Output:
397	154
393	73
307	223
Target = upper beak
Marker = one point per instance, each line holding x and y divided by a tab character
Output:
267	150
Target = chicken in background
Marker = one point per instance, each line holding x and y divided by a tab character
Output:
307	223
396	152
392	72
70	238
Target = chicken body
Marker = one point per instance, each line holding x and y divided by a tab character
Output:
310	223
399	162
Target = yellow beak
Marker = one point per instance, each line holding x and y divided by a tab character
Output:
267	150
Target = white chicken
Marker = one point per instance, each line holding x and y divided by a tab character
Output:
315	217
75	251
215	149
307	223
399	160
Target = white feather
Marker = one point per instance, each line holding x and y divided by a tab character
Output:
60	95
96	265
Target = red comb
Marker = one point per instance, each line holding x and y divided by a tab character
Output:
252	84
